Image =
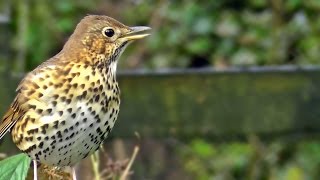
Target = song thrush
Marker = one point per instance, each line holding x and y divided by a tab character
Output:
66	107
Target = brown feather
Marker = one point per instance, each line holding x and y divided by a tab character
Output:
9	120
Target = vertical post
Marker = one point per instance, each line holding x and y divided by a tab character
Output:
5	59
21	35
5	35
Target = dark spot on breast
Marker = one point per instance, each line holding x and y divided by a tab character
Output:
32	131
55	124
98	130
49	110
73	115
59	135
63	98
71	135
97	98
58	85
28	138
66	90
40	145
73	74
39	111
56	96
53	142
30	148
32	120
65	130
32	106
69	79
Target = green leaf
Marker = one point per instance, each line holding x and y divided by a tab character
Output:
15	167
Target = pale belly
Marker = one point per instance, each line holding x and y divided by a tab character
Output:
72	136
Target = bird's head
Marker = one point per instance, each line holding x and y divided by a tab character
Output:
103	37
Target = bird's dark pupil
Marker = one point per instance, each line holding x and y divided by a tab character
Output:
109	32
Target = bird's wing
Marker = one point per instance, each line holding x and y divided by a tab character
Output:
15	111
9	120
29	84
20	105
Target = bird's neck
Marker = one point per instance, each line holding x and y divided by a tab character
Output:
96	56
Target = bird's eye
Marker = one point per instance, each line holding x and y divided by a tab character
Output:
108	32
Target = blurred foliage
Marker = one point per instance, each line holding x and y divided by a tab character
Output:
253	160
185	33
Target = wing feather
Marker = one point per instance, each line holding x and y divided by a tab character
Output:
9	120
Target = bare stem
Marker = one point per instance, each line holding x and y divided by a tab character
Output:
127	170
95	165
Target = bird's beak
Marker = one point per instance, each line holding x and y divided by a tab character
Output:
137	32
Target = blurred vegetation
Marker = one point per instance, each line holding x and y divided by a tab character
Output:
254	160
186	34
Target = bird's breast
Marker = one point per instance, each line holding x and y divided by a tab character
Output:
72	117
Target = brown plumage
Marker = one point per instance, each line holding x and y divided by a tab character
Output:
66	107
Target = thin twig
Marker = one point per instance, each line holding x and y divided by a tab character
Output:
127	170
95	165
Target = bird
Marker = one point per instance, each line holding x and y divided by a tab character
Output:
65	108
